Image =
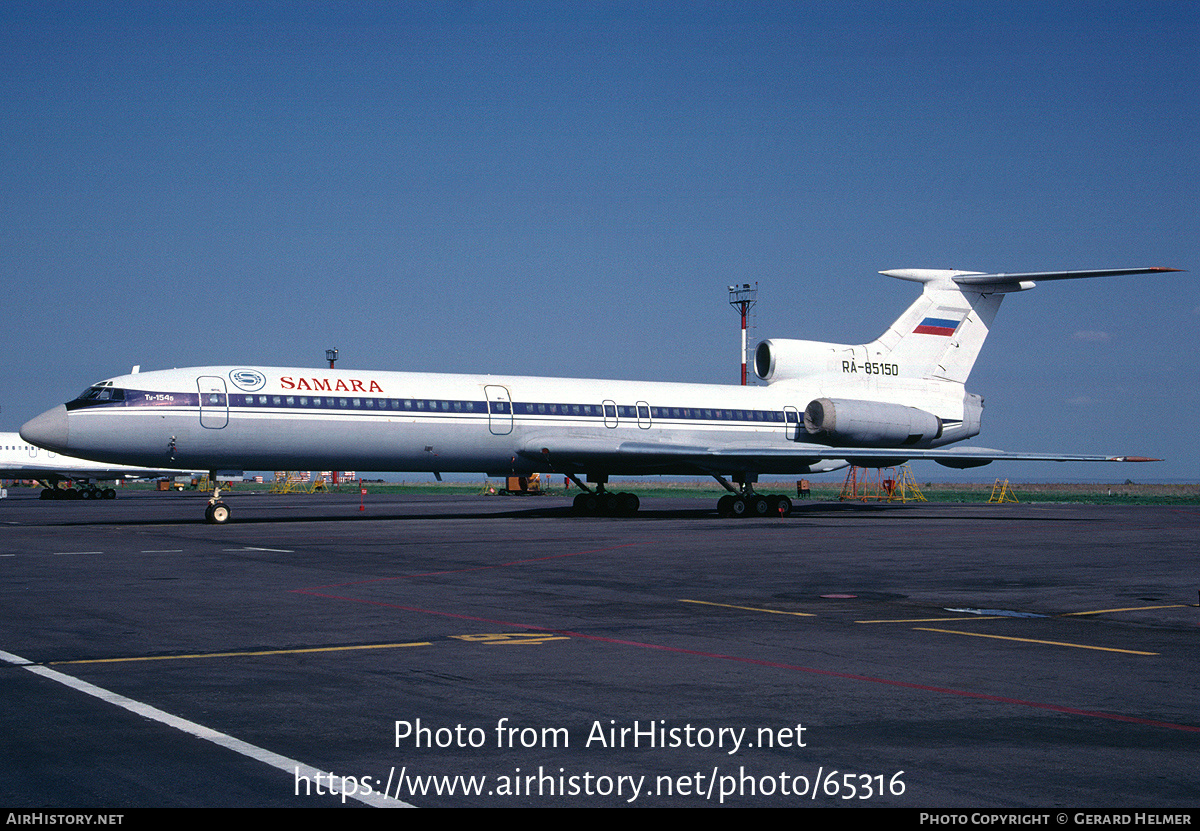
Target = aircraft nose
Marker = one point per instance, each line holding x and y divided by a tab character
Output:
49	430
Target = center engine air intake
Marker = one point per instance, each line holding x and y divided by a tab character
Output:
870	423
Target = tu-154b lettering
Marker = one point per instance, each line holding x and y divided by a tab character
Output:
823	406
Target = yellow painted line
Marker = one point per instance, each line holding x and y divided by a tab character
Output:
749	608
1033	640
1130	609
243	654
936	619
519	639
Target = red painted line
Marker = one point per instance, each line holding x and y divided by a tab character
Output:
999	699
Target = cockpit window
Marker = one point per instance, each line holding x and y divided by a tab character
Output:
102	393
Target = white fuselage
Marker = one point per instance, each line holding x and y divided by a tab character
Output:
265	418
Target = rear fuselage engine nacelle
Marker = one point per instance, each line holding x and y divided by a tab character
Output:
870	423
787	360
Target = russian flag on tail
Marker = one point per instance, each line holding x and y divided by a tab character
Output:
936	326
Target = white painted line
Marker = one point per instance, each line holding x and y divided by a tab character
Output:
289	766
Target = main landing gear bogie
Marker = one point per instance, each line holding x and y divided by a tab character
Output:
606	503
78	493
754	505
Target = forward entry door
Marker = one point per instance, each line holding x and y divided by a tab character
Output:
214	401
500	413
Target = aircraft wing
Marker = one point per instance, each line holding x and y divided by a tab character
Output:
60	472
632	457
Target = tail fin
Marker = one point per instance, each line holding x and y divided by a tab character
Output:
940	335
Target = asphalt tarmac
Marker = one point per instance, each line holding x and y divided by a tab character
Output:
497	651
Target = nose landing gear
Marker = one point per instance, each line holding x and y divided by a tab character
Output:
217	512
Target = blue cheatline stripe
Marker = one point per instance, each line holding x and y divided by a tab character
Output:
369	405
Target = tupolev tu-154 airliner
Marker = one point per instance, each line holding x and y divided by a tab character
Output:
824	406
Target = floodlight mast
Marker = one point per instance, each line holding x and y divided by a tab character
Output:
743	298
331	356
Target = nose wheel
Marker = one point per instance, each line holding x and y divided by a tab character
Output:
217	512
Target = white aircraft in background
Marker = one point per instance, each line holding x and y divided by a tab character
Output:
824	406
21	460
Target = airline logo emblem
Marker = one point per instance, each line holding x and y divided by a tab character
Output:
936	326
248	379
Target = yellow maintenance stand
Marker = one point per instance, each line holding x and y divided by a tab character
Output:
294	481
905	488
1001	493
205	484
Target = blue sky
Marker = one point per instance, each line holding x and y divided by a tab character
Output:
567	188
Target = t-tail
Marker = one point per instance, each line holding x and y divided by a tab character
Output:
938	338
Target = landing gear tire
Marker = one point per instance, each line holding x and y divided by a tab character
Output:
606	503
47	493
587	504
108	493
217	513
628	503
734	505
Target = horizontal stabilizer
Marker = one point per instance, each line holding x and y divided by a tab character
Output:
978	278
1035	276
